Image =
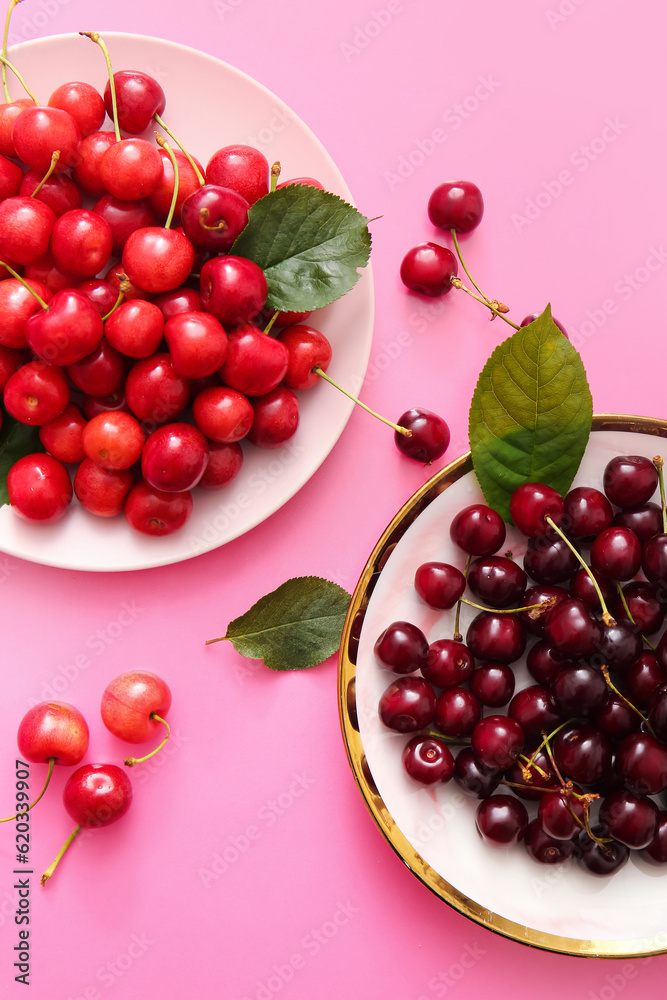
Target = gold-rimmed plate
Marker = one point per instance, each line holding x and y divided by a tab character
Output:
558	908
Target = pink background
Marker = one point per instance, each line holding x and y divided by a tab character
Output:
311	902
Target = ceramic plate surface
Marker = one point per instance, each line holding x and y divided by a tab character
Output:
238	110
559	908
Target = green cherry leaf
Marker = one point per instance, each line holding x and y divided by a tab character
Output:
296	626
531	414
309	243
16	440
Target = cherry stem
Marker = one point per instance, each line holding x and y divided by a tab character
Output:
131	761
612	686
275	174
457	635
6	62
542	606
629	613
497	308
658	462
25	284
174	197
268	326
52	761
217	228
607	618
200	177
530	762
462	741
97	38
327	378
5	37
54	160
121	296
545	741
52	867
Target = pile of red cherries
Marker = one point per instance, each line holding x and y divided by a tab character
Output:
575	764
147	395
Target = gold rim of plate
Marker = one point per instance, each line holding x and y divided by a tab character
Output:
355	750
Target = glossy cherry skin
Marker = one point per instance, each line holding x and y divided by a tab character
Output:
497	581
578	691
97	795
428	760
276	418
36	393
135	329
531	504
86	173
429	435
544	849
429	269
11	177
63	436
17	304
222	414
123	219
307	348
629	480
178	300
536	623
642	677
174	458
102	491
10	361
25	229
656	852
213	216
617	645
457	712
131	169
474	780
138	97
67	331
233	289
59	192
529	782
224	464
155	392
493	684
242	168
448	663
39	488
408	704
534	709
9	112
39	131
549	560
583	588
128	702
630	819
114	440
197	344
439	585
82	102
456	205
101	372
478	530
154	512
601	859
53	729
645	520
582	753
616	553
497	741
586	511
401	647
501	820
561	814
654	559
641	759
157	260
572	629
496	637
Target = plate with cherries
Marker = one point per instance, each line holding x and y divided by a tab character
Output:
503	692
121	304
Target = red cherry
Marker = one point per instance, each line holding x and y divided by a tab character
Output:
17	304
255	362
82	102
102	491
276	418
157	259
8	114
130	700
197	343
233	289
138	97
67	331
53	729
307	348
25	229
114	440
59	192
224	464
135	328
38	132
242	168
81	242
63	436
100	373
223	415
123	218
174	458
153	512
36	393
86	173
154	391
160	199
131	169
97	795
39	488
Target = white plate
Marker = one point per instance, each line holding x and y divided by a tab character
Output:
559	908
209	105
